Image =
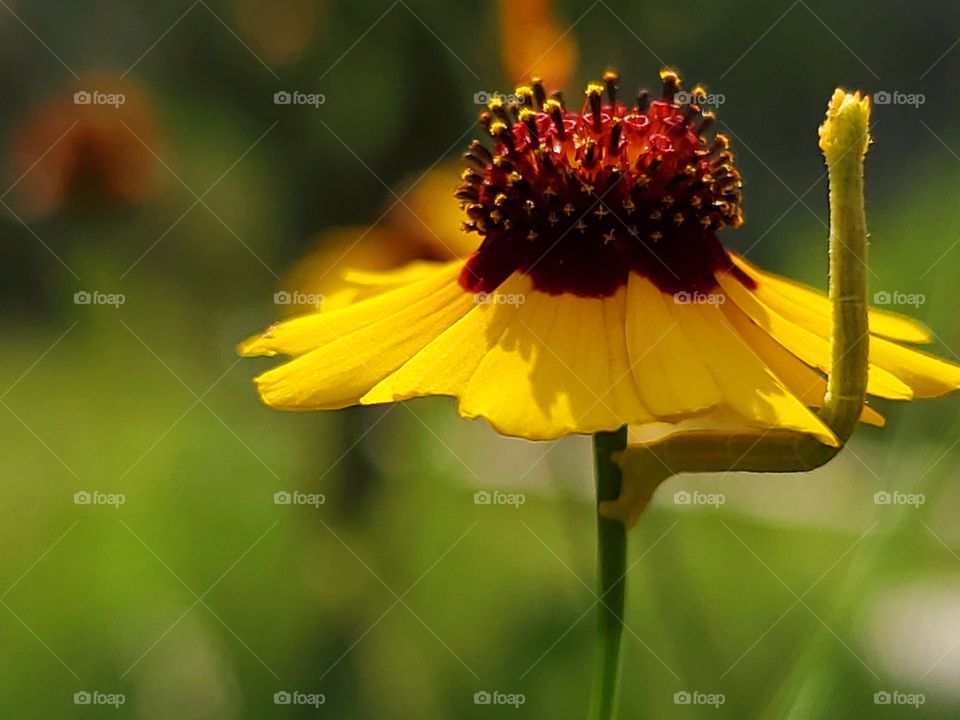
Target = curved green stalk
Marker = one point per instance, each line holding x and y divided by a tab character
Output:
611	581
844	138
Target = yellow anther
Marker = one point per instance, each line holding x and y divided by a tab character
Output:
526	114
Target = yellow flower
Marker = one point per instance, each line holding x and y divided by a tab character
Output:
600	295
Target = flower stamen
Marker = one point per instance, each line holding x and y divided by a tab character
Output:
551	171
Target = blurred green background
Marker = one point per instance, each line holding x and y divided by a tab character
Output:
399	597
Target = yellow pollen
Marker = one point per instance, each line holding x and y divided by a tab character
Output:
526	114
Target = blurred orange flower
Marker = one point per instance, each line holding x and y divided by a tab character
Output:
83	143
534	42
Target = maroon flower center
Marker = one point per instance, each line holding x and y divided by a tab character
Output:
577	201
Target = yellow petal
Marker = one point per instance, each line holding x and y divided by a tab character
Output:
804	382
385	280
307	332
445	366
812	309
806	345
346	366
671	375
356	284
749	387
561	367
542	368
924	375
928	376
869	416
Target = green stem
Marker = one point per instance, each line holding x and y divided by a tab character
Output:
611	565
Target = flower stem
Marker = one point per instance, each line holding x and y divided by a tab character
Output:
611	566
